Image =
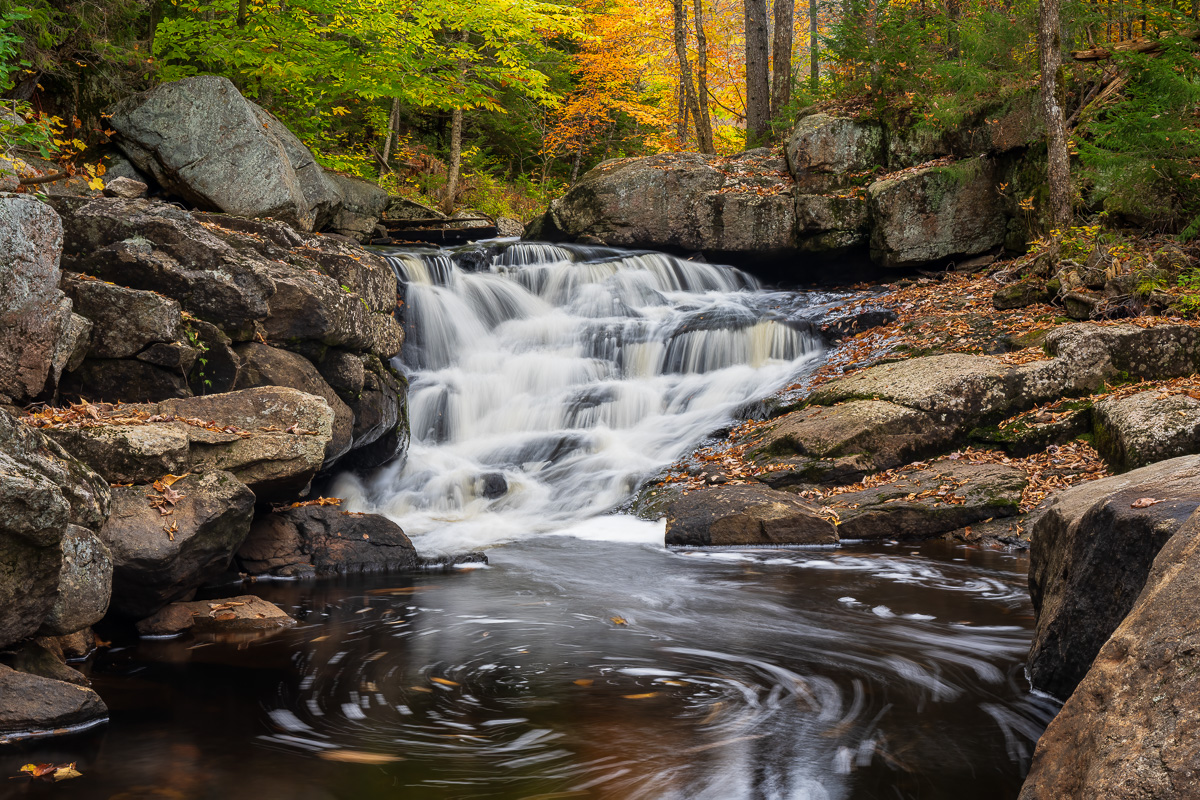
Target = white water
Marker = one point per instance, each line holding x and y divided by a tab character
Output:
545	388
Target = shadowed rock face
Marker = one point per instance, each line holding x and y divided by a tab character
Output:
1091	553
31	704
745	515
325	540
1131	730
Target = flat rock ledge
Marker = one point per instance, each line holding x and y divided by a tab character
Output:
745	515
32	706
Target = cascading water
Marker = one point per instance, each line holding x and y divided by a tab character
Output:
545	386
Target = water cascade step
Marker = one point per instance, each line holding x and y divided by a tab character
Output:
546	382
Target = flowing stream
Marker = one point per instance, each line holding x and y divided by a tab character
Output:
587	660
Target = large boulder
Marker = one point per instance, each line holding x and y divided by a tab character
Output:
84	583
320	193
35	316
325	540
201	140
271	438
360	206
829	223
1146	427
126	321
936	213
1131	730
822	144
681	201
929	502
1092	548
43	490
745	515
31	705
160	557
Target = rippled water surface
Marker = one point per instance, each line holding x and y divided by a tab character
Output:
593	669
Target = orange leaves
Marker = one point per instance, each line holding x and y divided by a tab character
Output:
1144	502
320	501
51	772
99	415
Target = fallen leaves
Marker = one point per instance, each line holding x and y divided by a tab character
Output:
1144	502
320	501
99	415
51	772
358	757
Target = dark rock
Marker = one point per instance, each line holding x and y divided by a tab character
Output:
745	515
492	485
77	646
360	208
31	705
823	144
201	140
1146	427
171	620
84	583
262	365
1090	556
326	540
343	371
1080	305
172	356
34	657
157	558
929	502
34	314
126	321
128	380
1131	730
936	213
216	368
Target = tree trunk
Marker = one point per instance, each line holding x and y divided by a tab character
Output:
241	17
781	66
576	163
704	134
1059	160
456	124
814	51
393	126
685	67
758	84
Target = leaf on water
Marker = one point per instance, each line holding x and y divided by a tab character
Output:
640	696
425	689
1144	502
583	682
358	757
399	590
67	772
619	620
444	682
38	770
675	683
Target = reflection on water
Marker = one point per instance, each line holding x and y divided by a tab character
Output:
592	669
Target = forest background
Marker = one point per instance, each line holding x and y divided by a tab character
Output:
520	97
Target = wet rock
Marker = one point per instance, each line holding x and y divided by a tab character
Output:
745	515
126	321
31	705
159	558
929	502
201	140
262	365
1131	730
34	314
125	187
236	614
936	213
842	443
829	223
169	621
1091	552
824	144
76	646
361	204
84	583
327	541
35	657
1146	427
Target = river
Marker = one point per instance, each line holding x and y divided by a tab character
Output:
586	660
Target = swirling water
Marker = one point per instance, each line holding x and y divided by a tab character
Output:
587	660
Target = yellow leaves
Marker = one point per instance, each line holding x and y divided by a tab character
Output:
357	757
339	111
619	621
583	682
444	681
643	696
51	772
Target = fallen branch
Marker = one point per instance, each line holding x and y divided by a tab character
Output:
56	176
1129	46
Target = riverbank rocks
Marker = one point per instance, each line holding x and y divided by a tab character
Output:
935	213
1146	427
37	335
157	557
1092	548
821	144
43	491
929	502
246	613
360	206
1131	730
31	705
745	515
325	540
126	321
271	438
84	583
201	140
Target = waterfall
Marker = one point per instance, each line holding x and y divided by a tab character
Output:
548	383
